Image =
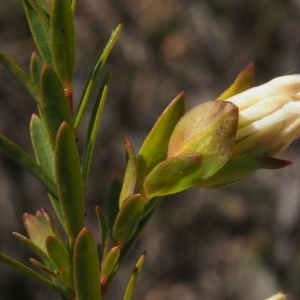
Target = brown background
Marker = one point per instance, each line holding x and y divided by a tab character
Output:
240	242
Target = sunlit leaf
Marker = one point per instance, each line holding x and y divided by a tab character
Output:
133	277
68	178
93	129
43	150
86	267
129	180
40	28
155	146
97	66
108	265
173	175
244	81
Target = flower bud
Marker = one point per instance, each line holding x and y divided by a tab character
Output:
234	136
208	129
269	117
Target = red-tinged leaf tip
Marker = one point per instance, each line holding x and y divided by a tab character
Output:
274	163
250	67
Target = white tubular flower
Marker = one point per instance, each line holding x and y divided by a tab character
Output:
269	117
278	296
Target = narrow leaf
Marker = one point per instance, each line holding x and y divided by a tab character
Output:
239	167
108	265
44	6
31	245
36	67
103	231
244	81
93	129
40	29
42	147
86	267
133	277
68	177
129	181
33	275
155	146
55	105
113	204
43	268
45	156
22	76
24	160
63	39
58	253
97	66
128	218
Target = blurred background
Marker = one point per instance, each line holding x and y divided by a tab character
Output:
239	242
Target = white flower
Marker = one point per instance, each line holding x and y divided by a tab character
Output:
269	116
278	296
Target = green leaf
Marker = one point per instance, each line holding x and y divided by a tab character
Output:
239	167
33	275
46	217
128	218
42	146
63	39
113	204
66	278
243	82
93	129
68	178
24	160
154	202
97	66
155	146
37	230
44	6
43	268
31	245
86	267
133	277
173	175
103	230
36	67
61	259
40	28
129	181
58	253
22	76
108	265
55	105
